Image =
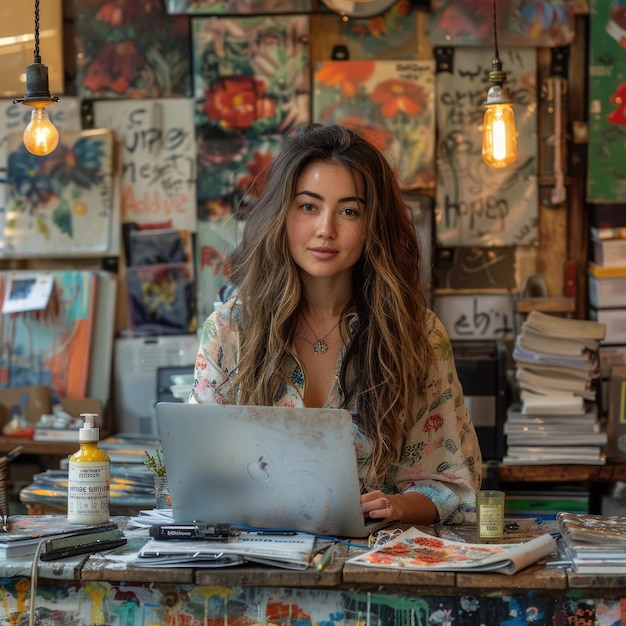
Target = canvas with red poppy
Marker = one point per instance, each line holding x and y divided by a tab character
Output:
392	102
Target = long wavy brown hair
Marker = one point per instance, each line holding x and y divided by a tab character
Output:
388	353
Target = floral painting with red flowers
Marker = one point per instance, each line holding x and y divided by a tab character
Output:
63	203
252	87
392	102
131	49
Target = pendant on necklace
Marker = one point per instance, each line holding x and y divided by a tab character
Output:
320	346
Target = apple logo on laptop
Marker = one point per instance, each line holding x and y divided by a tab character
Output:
258	470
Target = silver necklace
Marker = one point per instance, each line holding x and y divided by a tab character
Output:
319	345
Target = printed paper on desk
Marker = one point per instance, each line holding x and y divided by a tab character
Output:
416	550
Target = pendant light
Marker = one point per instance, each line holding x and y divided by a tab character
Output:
41	137
499	133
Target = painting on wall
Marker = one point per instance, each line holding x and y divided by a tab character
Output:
131	49
524	23
606	167
477	205
252	87
63	203
236	7
157	158
251	84
391	102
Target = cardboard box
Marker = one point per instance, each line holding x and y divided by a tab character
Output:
40	402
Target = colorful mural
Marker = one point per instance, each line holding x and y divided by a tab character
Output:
132	604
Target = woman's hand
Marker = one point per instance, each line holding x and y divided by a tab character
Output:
409	508
378	505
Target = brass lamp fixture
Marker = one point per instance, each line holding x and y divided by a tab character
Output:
499	133
41	136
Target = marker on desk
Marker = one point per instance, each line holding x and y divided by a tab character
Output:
217	532
324	559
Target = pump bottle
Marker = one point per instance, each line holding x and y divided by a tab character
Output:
88	489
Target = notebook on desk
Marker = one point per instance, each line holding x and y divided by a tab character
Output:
265	467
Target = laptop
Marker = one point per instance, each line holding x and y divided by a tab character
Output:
265	467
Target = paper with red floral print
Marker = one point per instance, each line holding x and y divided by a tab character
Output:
417	550
392	102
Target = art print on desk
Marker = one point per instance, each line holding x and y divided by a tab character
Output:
130	49
606	167
477	205
51	347
62	203
530	23
251	84
156	144
240	7
392	102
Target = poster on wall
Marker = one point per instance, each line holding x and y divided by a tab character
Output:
392	102
156	146
477	205
606	166
130	50
524	23
63	203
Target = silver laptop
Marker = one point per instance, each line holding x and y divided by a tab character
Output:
265	467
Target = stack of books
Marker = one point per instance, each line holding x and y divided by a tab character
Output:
593	544
556	369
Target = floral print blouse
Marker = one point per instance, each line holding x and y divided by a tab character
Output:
440	457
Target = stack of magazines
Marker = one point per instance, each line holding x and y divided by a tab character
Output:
556	373
593	544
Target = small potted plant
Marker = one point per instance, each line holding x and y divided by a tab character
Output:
156	464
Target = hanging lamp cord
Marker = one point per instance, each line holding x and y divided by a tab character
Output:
496	51
37	57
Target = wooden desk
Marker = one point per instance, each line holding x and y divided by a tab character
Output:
96	590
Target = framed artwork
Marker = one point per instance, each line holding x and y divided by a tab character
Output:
131	50
392	102
477	205
524	23
63	203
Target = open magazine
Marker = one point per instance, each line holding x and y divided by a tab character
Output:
291	551
416	550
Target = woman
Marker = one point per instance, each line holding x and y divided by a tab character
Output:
330	312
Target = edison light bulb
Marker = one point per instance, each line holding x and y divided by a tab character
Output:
499	133
41	136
